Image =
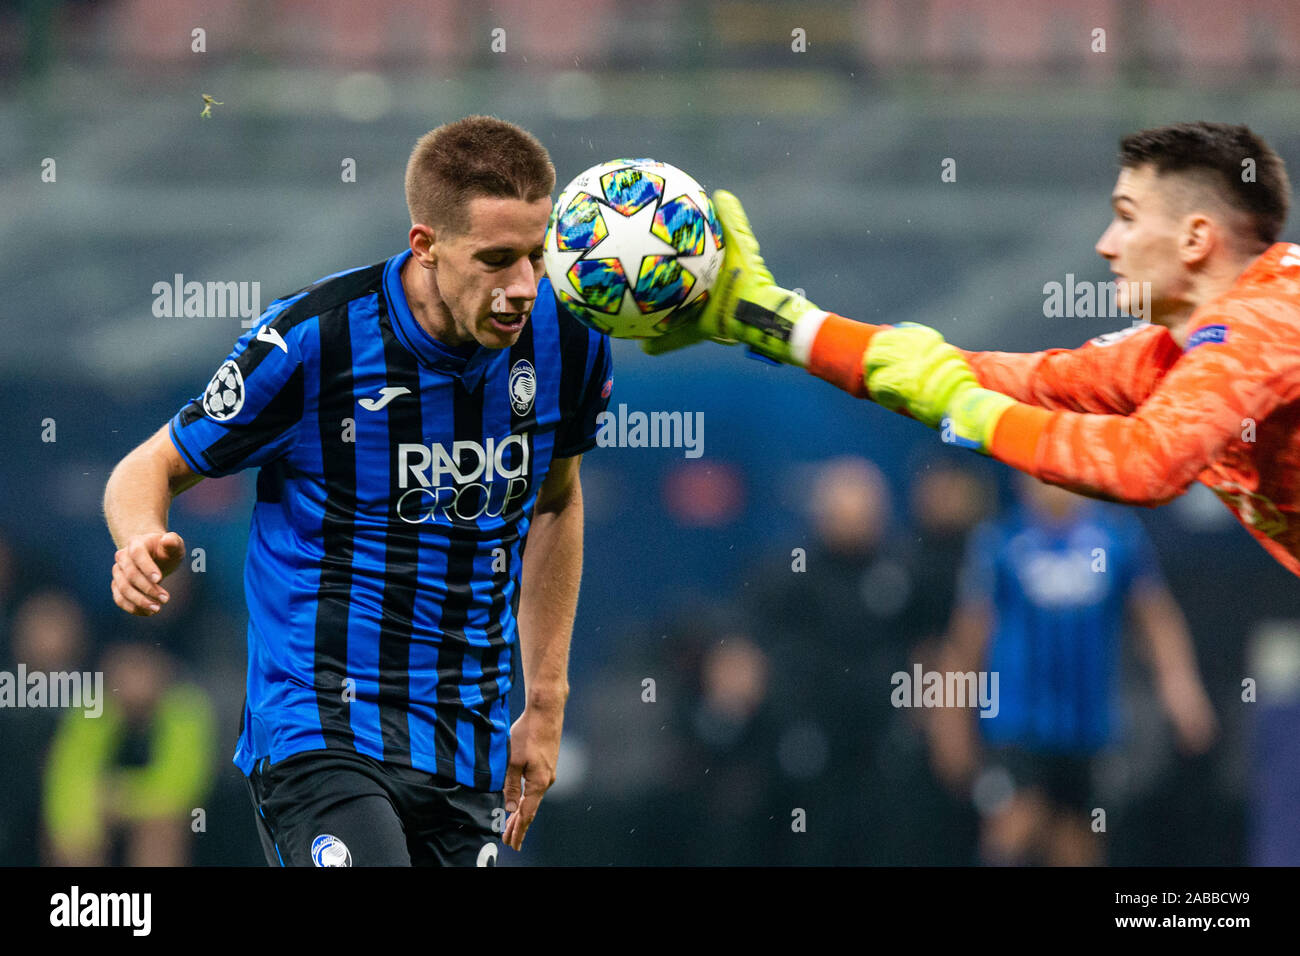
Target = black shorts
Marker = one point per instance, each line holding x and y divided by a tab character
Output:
1064	779
338	808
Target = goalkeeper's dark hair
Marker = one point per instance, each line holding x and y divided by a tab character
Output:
474	156
1215	155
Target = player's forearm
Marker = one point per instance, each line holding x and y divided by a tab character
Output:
1109	375
1112	457
1033	439
1030	438
1018	374
140	489
834	348
137	497
1169	643
548	601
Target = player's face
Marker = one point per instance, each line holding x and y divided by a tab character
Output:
1141	244
488	277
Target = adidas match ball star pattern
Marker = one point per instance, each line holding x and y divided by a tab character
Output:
224	396
633	248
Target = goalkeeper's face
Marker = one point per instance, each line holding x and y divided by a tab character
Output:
487	277
1142	245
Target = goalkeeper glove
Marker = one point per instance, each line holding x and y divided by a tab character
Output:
910	368
745	304
973	417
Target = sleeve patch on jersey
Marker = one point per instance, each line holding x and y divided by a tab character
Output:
224	396
1206	333
607	388
1110	338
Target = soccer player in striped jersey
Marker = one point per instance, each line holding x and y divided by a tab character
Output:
1033	608
415	422
1209	391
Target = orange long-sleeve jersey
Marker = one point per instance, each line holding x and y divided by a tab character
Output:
1132	417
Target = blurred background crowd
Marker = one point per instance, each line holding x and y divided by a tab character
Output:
743	614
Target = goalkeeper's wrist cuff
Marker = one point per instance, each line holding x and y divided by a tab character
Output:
831	347
1016	436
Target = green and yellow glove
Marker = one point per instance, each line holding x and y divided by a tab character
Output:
745	304
973	417
910	368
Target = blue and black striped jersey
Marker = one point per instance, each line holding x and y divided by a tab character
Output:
1059	594
397	481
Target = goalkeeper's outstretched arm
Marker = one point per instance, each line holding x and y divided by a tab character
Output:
1157	437
1111	374
1142	452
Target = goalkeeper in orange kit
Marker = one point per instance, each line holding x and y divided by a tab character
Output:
1208	392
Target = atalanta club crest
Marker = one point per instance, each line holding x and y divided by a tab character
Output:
523	386
327	850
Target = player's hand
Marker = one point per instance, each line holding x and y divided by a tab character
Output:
910	368
745	304
534	750
140	566
973	417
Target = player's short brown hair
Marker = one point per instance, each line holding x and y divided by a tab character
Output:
474	156
1215	153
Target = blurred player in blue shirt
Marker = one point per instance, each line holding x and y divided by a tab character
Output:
1043	601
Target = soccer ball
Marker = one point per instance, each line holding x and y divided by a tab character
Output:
633	248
